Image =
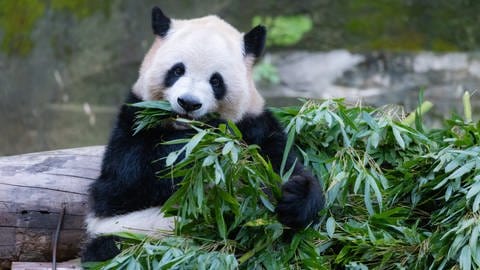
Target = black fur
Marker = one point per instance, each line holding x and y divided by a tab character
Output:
101	249
160	22
218	85
173	74
255	41
127	181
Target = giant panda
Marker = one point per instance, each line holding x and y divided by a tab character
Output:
199	66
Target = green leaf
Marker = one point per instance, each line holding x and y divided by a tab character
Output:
465	258
267	203
376	190
153	104
219	174
330	226
230	200
234	128
474	239
209	160
474	190
476	203
358	181
227	148
466	168
368	201
171	158
398	137
194	142
371	236
286	151
234	154
374	139
220	222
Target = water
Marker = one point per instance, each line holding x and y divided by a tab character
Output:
65	66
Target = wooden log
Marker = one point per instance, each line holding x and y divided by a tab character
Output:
33	190
45	266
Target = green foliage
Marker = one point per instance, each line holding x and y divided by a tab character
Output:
154	113
81	9
284	30
17	19
397	197
265	71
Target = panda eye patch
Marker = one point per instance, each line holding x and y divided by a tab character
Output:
175	72
218	86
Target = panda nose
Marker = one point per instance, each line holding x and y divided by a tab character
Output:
189	103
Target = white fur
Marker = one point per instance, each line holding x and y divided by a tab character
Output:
149	221
205	46
200	89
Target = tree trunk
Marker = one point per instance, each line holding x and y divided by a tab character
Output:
34	188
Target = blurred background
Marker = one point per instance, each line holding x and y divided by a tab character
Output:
66	65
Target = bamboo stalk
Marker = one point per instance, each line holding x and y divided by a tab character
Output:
424	107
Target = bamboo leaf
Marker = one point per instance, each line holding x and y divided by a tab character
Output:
227	148
358	181
330	226
234	128
374	139
466	168
222	230
398	137
209	160
376	190
286	151
154	104
368	201
194	142
474	190
171	158
234	154
267	203
465	259
474	239
476	203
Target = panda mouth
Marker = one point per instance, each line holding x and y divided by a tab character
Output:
185	116
180	121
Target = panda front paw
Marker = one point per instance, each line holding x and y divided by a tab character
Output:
302	199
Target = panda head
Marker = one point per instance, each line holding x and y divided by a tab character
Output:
201	66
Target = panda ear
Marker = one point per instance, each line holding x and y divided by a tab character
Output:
254	41
160	22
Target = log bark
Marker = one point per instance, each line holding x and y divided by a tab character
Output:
33	190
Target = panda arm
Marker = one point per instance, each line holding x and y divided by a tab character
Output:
302	196
127	181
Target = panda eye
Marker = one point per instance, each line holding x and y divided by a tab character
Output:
179	71
215	82
218	86
173	74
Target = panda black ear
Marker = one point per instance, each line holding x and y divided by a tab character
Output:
255	41
160	22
